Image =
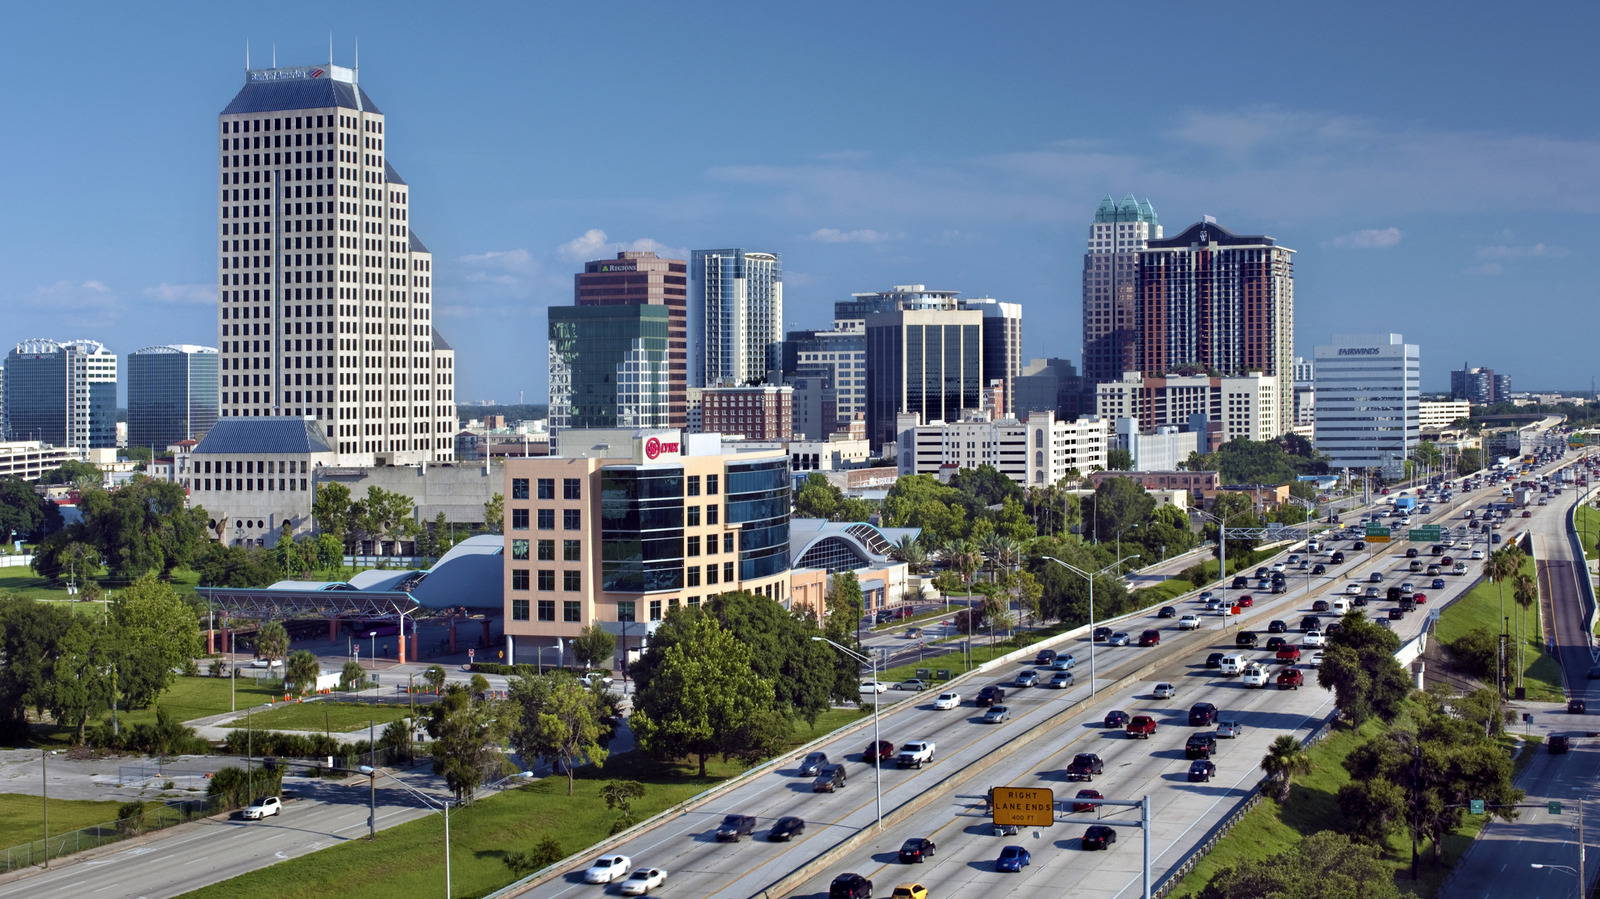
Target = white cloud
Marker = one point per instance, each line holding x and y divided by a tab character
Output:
1537	250
594	244
1488	268
183	294
1370	239
861	235
78	295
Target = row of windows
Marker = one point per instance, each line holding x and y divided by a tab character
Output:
571	610
571	581
571	550
253	485
571	488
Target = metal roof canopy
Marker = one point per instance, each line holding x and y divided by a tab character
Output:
257	603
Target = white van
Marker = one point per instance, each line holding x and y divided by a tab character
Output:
1255	676
1340	606
1233	664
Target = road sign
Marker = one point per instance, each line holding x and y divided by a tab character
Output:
1428	533
1477	806
1555	808
1377	533
471	653
1024	806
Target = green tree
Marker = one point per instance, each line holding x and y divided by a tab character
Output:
331	510
1474	652
301	670
329	552
144	527
82	475
817	497
560	722
1525	592
1360	668
1469	461
703	699
272	641
1120	504
154	631
494	514
986	485
21	509
385	515
908	549
1285	760
619	796
434	676
844	602
352	676
593	645
1502	565
467	732
782	651
291	556
1325	865
1119	460
920	501
80	681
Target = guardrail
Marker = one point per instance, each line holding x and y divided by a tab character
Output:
1580	560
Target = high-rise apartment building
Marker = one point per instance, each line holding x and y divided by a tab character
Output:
924	361
1480	385
172	394
641	278
1368	393
1110	267
1225	409
62	394
735	317
1212	299
326	305
609	367
756	412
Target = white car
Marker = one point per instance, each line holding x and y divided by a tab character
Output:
872	686
947	701
607	868
263	807
1316	660
1165	691
643	881
1313	638
1477	554
1189	623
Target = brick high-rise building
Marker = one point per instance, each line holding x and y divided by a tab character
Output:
644	279
757	412
326	293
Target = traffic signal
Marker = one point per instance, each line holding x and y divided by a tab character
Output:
269	763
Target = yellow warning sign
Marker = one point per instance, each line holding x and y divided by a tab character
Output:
1024	806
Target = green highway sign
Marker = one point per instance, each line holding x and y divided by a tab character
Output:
1555	808
1428	533
1477	806
1377	533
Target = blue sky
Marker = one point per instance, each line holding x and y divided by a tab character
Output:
1436	166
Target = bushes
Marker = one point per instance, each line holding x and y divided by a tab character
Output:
234	788
1473	653
165	737
130	818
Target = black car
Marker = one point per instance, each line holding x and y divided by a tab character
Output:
1045	657
1411	553
813	763
1333	628
829	779
1318	568
850	886
1311	623
735	826
1085	765
1358	601
1117	719
1245	638
1099	837
1276	642
1594	672
1320	605
786	829
1102	634
1239	583
916	849
1576	707
990	695
1393	594
1167	612
1396	614
1200	746
1359	545
1201	771
1215	661
1337	558
1277	626
1202	714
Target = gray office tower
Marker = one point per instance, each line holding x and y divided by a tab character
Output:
64	394
173	395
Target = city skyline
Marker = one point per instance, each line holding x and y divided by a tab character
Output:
1428	210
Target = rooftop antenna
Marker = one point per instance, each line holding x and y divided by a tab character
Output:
274	54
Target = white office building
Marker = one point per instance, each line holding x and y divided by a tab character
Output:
1435	416
1246	406
1368	394
1036	452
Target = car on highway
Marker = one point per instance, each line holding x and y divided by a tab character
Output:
1239	583
1201	771
1116	719
263	807
997	714
1061	680
1276	643
786	828
946	701
1337	558
1065	661
1419	598
1277	626
1288	654
850	886
1291	679
1099	837
1311	623
909	891
813	763
1045	657
1084	766
1320	605
1316	660
1150	638
1004	830
1245	638
1026	679
913	685
990	695
1594	672
1319	569
1437	584
642	881
1141	727
1200	746
1086	806
829	779
1229	729
1165	690
1246	601
1120	638
1214	660
1255	676
735	826
1477	554
872	686
1202	714
1012	859
882	750
1189	623
1396	614
917	850
607	868
1102	634
1352	590
1411	553
1167	612
1576	707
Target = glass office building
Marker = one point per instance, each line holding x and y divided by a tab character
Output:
173	394
63	394
609	367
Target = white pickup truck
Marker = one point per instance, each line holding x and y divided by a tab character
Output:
915	754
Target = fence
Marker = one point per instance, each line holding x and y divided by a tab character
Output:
157	775
39	851
12	560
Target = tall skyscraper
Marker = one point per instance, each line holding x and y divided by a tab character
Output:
609	367
1110	268
735	317
326	305
644	279
927	361
1212	299
1368	390
833	361
172	394
1479	385
1002	346
63	394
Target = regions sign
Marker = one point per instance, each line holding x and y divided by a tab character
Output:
1024	806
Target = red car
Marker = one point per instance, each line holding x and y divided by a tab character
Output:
1291	679
1290	654
1142	726
1246	601
1419	598
1086	806
1150	638
881	750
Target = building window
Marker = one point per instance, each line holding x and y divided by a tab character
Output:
693	546
727	543
547	610
519	519
519	488
519	549
692	485
693	575
547	550
519	578
727	572
692	517
711	514
519	610
711	484
547	579
571	581
547	519
547	488
572	551
625	610
570	610
571	488
572	519
711	573
694	601
655	610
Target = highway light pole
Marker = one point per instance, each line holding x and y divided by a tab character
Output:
877	767
441	806
1090	578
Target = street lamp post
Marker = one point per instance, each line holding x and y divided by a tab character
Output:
1090	578
374	636
877	768
443	807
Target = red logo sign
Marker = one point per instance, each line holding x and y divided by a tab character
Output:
654	448
316	73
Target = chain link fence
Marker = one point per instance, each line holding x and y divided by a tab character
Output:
38	852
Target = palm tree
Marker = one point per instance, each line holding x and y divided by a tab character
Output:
909	550
1499	567
1285	759
1525	590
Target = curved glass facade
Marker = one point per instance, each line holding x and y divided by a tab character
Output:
641	515
758	499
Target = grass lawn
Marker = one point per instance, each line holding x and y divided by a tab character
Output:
1587	521
1272	827
1480	608
338	717
408	860
1167	590
20	820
